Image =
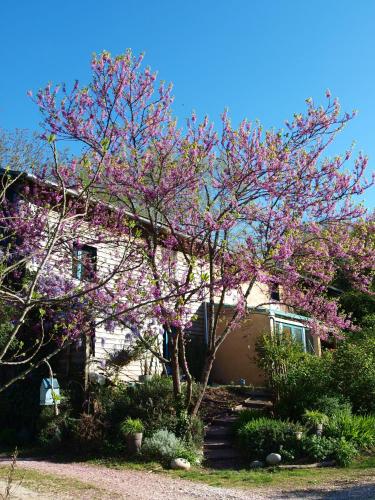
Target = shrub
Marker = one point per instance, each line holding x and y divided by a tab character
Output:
163	446
152	402
332	405
297	379
196	432
317	448
323	448
356	429
260	436
131	426
354	372
246	416
88	432
344	452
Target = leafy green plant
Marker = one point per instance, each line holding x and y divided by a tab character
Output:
246	416
317	447
356	429
297	379
164	446
354	371
332	405
152	402
314	417
131	426
344	452
260	436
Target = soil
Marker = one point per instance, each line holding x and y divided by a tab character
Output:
218	400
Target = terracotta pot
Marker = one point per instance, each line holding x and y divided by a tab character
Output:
134	442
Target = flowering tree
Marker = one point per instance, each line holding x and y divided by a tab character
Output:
52	290
237	207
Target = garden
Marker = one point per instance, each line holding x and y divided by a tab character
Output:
323	413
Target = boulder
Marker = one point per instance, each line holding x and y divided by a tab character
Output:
273	459
180	463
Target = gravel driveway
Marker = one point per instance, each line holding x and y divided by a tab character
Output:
114	483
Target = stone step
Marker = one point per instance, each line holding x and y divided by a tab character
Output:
227	420
260	393
218	431
257	403
217	444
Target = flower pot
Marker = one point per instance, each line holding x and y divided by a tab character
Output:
319	429
298	435
134	442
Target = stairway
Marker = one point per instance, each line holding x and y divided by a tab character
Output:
219	448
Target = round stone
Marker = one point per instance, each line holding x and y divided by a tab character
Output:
273	459
256	464
180	463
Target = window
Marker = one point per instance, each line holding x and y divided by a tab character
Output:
84	262
275	292
297	333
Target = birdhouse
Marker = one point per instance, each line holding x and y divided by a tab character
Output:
49	392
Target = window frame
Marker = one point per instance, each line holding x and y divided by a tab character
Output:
292	326
79	270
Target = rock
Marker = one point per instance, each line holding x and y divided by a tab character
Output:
273	459
256	464
180	463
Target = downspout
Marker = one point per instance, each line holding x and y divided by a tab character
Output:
205	323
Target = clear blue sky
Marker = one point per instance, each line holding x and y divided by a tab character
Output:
259	58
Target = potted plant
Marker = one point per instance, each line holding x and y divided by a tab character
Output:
132	429
316	419
146	369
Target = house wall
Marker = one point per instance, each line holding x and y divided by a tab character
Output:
236	357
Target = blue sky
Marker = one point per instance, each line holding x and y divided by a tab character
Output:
261	59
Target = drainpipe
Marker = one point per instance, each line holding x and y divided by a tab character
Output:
205	323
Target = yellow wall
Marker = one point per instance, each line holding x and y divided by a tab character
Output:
236	357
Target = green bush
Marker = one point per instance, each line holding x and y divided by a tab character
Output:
332	383
152	402
323	448
317	448
344	452
246	416
353	368
260	436
356	429
297	379
163	446
332	405
196	432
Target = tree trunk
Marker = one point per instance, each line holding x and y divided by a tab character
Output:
86	372
204	381
186	371
175	364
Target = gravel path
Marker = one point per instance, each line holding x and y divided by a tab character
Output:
131	484
137	485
